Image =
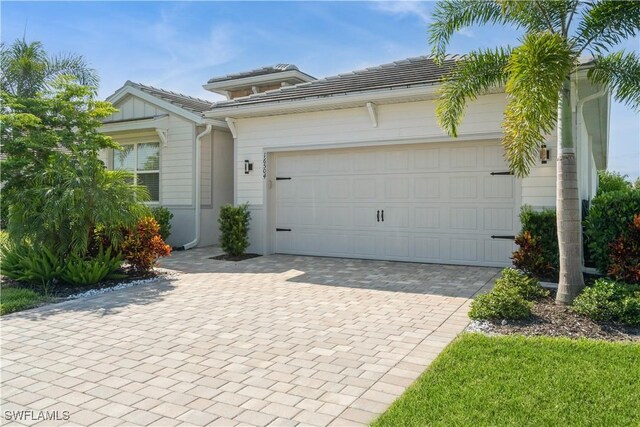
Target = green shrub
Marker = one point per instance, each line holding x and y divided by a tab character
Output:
163	217
509	299
538	254
528	287
17	299
82	271
612	181
609	218
610	301
234	228
38	266
503	303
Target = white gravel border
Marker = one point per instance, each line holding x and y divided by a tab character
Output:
94	292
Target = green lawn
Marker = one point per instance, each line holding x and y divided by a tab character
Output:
17	299
518	381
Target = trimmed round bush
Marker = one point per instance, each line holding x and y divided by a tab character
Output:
501	303
610	301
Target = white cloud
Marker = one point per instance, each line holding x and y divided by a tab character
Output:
404	8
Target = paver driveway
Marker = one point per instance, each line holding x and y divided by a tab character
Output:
276	340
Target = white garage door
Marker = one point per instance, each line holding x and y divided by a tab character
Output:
442	203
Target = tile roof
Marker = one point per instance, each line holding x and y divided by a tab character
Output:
408	72
278	68
189	103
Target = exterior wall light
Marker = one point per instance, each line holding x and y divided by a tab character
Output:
545	153
248	167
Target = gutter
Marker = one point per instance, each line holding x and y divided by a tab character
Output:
199	137
349	99
580	111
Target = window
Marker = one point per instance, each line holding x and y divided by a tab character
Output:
143	160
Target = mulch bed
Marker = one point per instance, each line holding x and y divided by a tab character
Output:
556	320
242	257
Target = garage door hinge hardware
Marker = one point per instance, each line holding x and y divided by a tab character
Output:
502	173
280	178
504	237
283	229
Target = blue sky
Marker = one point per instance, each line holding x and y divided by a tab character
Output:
180	45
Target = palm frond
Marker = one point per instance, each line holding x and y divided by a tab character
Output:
476	74
453	15
620	73
606	23
536	72
72	65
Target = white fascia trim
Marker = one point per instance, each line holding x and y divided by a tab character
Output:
161	122
353	99
165	105
480	136
251	81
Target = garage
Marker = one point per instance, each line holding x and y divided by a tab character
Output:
452	203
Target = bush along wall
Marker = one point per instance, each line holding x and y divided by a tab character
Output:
609	220
234	229
537	254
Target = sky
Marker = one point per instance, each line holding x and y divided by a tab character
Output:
180	45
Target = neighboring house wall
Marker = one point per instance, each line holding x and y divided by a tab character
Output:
411	122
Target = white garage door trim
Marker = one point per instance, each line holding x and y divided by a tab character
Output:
439	202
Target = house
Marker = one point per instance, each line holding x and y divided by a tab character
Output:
356	165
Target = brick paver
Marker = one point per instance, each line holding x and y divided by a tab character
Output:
278	339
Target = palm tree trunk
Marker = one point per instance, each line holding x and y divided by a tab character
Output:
568	205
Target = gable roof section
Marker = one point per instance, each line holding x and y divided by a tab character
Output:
185	106
400	74
194	105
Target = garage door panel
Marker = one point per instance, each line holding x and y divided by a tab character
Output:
464	250
463	219
426	159
397	187
427	217
463	158
463	187
499	219
498	187
427	187
440	204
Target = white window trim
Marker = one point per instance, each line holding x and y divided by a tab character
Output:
135	161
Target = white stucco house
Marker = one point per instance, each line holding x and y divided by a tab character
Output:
356	165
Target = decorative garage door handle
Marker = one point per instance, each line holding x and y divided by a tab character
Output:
503	237
383	215
378	216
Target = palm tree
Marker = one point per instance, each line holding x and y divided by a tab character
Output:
27	69
536	77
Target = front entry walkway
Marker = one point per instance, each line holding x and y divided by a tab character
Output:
275	340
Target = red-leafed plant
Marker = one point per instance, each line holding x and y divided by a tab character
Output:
530	256
143	245
624	254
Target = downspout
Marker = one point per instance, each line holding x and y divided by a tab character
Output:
195	241
582	141
580	107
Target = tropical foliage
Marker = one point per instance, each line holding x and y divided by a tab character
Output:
143	245
27	69
68	217
536	75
